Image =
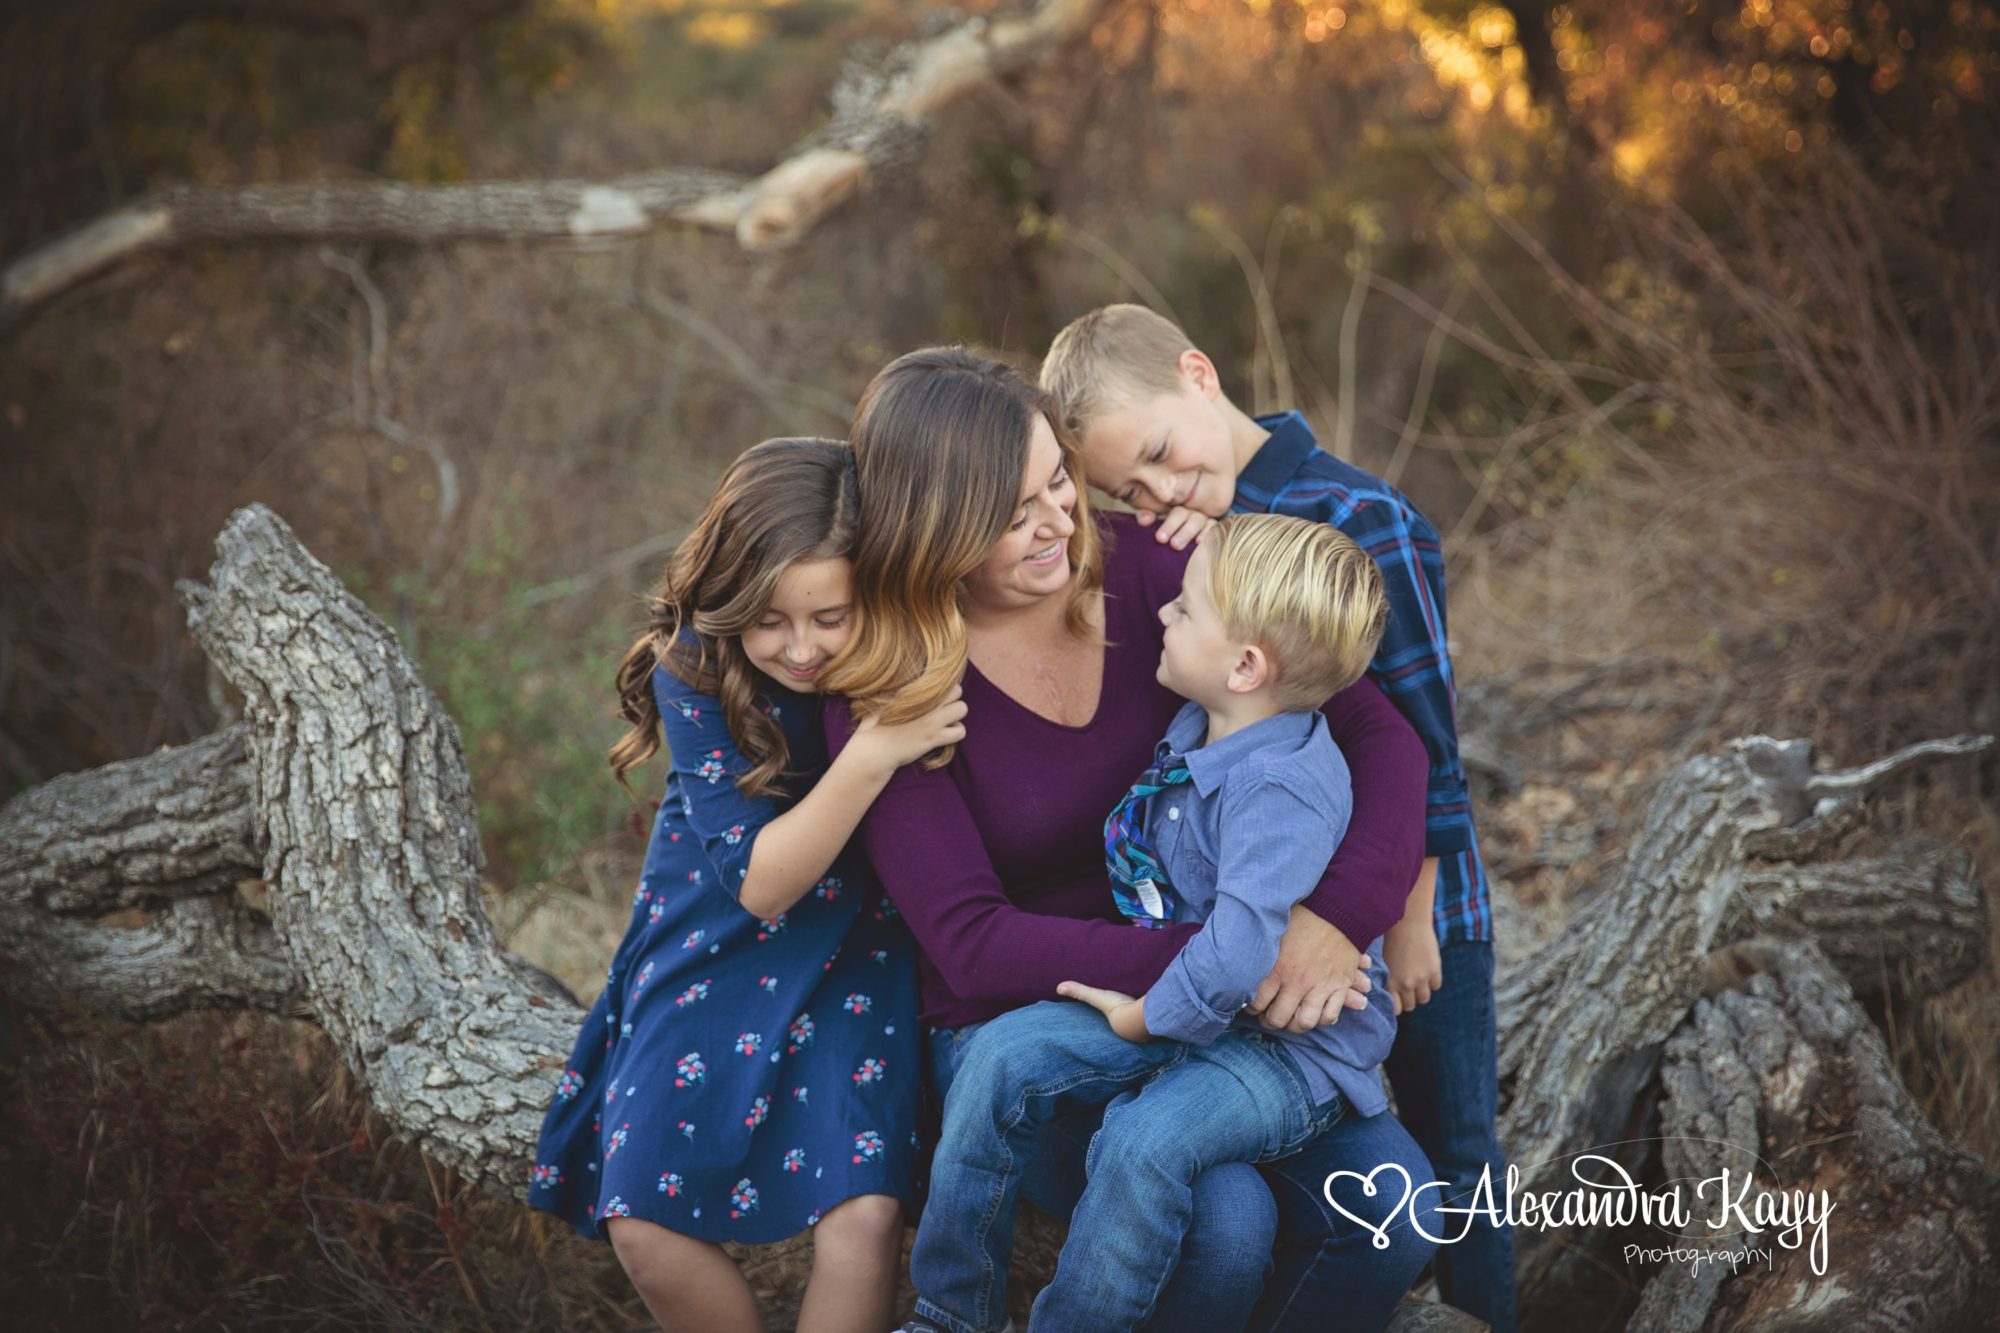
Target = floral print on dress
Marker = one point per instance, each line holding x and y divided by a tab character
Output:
801	1034
621	1123
857	1003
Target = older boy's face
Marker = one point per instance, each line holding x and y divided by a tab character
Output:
1165	450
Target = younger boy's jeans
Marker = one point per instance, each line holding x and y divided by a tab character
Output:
1240	1099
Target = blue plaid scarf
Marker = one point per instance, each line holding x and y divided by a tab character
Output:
1139	882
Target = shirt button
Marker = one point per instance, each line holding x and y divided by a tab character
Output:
1173	812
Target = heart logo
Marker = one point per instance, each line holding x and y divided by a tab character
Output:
1369	1189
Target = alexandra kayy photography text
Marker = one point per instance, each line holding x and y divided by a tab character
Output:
1728	1205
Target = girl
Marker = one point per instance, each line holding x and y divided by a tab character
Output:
752	1066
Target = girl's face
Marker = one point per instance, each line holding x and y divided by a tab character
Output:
808	621
1031	559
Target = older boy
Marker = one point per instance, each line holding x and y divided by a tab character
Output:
1158	432
1247	800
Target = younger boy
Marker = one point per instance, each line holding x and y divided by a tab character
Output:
1158	432
1234	823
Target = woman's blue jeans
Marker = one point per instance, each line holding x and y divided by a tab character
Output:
1269	1253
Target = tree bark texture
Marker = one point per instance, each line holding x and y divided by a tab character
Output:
1582	1020
1786	1080
880	106
345	793
371	847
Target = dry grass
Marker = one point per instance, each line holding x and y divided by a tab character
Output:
222	1171
1763	495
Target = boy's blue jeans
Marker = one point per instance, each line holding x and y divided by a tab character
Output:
1240	1099
1442	1069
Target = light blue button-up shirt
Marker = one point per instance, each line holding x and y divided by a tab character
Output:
1246	837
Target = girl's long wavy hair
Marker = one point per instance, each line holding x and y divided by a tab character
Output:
940	445
781	501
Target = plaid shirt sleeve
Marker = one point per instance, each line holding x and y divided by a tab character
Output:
1413	664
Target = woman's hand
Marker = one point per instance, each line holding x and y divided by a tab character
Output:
906	742
1127	1015
1319	973
1410	952
1179	526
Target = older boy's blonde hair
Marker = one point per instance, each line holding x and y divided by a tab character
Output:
1305	593
1114	354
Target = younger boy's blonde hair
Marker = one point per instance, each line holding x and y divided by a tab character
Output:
1305	593
1115	354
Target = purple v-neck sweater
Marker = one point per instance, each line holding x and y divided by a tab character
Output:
997	859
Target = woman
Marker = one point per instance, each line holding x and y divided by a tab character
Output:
979	558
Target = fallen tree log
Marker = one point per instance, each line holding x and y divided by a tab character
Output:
880	105
346	793
1786	1082
1582	1019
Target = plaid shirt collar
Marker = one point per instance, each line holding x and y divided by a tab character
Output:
1281	456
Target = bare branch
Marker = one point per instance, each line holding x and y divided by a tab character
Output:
879	111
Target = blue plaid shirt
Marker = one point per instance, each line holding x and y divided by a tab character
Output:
1291	474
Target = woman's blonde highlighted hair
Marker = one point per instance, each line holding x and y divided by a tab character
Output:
780	502
1305	593
940	444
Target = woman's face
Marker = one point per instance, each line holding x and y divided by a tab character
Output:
1031	559
809	619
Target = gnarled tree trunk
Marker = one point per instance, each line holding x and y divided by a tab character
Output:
1786	1082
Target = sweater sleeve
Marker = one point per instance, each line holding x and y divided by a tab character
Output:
1368	882
928	854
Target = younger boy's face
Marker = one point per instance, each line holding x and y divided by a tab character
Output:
1196	653
1164	450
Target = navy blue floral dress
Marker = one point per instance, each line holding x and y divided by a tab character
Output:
738	1077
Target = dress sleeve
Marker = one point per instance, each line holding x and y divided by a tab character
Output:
1368	882
704	758
928	854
